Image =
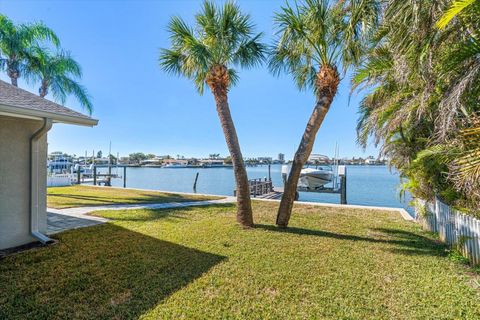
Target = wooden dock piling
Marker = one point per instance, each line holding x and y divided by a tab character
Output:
124	176
195	183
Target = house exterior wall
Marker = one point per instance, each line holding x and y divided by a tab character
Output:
15	136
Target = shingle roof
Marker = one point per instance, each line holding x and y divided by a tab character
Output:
26	102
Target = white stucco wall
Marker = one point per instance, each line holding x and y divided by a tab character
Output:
15	136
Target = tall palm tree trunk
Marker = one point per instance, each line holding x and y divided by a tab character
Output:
43	89
13	72
326	85
219	89
13	78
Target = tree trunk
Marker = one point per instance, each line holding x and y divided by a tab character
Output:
218	83
326	88
43	89
14	79
13	73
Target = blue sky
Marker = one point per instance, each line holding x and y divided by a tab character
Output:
141	108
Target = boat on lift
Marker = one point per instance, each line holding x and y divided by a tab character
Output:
315	178
311	178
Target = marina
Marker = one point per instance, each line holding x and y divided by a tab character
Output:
373	185
366	185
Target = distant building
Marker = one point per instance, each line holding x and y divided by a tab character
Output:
219	162
151	162
371	160
281	158
103	160
264	159
175	162
122	160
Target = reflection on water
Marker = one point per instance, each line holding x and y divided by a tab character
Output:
366	185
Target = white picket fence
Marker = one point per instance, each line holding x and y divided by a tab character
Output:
60	180
453	227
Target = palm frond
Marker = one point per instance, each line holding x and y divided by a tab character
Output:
17	42
379	63
79	92
37	32
250	53
221	36
456	8
171	61
466	167
460	54
316	33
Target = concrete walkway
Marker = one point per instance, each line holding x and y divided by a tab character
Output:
59	220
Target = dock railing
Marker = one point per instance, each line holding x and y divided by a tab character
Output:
259	187
455	228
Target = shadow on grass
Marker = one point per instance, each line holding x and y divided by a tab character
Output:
101	272
72	200
145	215
403	242
414	244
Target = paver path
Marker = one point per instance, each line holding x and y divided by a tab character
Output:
59	220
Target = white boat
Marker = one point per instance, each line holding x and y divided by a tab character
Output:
84	169
315	178
59	165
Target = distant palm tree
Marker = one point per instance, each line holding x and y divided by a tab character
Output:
315	38
16	42
58	74
222	37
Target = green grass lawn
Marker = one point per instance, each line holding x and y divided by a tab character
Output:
197	263
81	196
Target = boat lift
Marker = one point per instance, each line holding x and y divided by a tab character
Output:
339	183
264	189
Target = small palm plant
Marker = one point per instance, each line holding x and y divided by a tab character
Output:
222	37
466	165
315	39
58	74
16	42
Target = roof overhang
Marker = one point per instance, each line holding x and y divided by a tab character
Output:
19	112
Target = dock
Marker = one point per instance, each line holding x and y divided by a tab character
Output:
275	194
264	189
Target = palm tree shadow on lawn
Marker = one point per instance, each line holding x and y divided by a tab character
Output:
101	272
72	200
395	240
167	214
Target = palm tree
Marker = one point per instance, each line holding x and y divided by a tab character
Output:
424	80
57	73
16	42
465	60
221	38
315	39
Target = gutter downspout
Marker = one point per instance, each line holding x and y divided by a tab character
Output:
34	181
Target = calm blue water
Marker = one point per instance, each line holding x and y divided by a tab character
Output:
366	185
